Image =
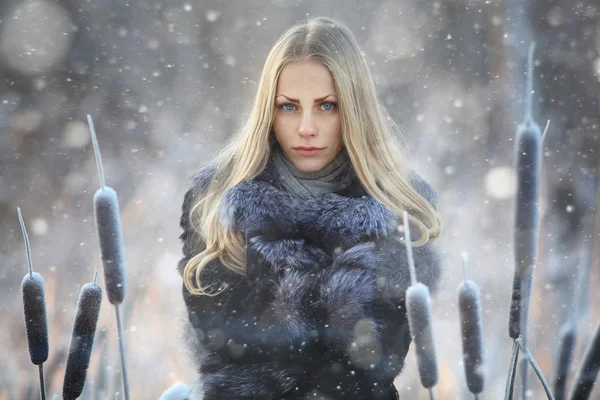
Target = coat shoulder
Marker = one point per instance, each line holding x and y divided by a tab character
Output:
201	176
198	182
192	241
424	188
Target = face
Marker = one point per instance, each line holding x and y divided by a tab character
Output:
307	115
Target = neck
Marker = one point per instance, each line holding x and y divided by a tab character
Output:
340	161
306	185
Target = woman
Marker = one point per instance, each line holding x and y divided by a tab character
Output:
295	270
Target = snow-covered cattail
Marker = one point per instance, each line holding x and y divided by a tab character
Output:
178	391
36	317
469	306
583	384
420	321
34	307
527	213
82	339
418	305
108	224
33	292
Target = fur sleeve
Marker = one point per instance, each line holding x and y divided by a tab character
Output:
371	275
241	341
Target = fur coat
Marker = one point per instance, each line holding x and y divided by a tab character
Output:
321	312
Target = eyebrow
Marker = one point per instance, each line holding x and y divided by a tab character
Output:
298	101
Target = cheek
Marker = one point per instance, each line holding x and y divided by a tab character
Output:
282	129
334	127
278	124
337	133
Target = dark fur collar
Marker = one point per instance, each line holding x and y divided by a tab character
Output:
332	223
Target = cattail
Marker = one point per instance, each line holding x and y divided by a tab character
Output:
108	224
178	391
527	219
420	321
34	307
33	293
527	213
583	384
469	306
418	304
82	339
36	318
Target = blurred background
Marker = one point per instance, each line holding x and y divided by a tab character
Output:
167	81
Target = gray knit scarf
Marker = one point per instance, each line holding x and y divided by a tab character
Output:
306	185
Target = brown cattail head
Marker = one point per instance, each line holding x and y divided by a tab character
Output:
82	340
108	225
420	322
36	317
34	307
469	306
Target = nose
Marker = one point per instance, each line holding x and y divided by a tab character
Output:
308	127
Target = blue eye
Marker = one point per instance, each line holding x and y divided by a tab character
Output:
328	106
287	106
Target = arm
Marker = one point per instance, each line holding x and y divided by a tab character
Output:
241	340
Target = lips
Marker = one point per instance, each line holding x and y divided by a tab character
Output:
308	151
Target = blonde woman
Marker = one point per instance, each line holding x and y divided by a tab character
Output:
294	266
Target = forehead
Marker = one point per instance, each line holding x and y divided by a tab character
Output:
305	76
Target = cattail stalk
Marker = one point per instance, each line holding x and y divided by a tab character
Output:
420	321
527	218
469	305
529	357
34	308
536	368
512	372
108	225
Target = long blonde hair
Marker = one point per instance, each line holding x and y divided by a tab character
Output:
368	133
